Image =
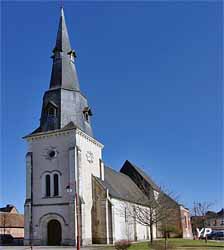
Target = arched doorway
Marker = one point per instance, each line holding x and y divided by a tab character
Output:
53	233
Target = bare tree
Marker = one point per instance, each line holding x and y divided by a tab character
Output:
4	221
156	209
200	215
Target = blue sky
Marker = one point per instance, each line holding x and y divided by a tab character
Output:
152	72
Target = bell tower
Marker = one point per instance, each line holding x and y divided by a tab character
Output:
62	153
63	102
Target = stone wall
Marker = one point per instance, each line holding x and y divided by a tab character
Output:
90	158
15	232
99	223
124	226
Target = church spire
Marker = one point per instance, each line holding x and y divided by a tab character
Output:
63	102
62	41
64	73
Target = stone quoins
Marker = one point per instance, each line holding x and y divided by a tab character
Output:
88	138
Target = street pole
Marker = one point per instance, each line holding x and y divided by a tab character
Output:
76	205
77	219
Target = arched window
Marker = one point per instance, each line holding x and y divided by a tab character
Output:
51	118
51	112
185	221
48	185
86	116
51	184
56	185
87	113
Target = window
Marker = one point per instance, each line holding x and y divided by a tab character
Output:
48	185
215	223
56	186
125	215
185	219
52	154
51	184
86	113
86	116
51	112
100	163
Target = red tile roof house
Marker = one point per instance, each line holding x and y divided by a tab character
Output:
11	225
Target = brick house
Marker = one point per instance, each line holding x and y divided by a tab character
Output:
11	222
215	220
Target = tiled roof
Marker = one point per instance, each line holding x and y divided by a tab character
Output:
11	220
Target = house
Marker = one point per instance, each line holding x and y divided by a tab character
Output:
11	222
211	219
215	220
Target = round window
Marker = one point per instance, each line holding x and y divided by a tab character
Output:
52	154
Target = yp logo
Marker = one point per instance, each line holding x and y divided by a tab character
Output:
203	232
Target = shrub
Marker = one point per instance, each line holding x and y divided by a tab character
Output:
122	244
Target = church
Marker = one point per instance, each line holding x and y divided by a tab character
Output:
72	197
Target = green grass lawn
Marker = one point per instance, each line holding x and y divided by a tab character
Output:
184	245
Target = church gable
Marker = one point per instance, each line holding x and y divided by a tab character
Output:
138	175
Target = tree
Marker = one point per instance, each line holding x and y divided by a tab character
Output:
200	215
167	229
4	221
159	209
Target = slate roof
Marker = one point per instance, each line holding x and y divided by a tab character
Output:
62	40
211	214
121	186
221	212
7	209
69	126
63	73
141	172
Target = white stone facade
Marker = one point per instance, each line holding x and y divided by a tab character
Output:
124	226
76	154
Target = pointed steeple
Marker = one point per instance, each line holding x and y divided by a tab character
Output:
63	103
64	73
62	41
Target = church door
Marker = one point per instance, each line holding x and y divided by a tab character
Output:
54	233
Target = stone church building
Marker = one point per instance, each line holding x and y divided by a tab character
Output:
69	190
